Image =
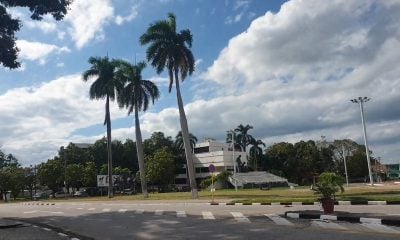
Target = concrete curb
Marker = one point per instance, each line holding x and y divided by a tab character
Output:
316	203
347	217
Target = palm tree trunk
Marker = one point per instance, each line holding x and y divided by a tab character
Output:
139	149
186	140
109	154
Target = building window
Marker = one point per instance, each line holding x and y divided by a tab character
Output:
202	170
202	149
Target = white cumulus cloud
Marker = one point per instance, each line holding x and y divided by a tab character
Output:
87	19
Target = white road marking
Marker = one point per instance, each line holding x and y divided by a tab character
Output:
181	214
279	220
47	229
79	208
240	217
92	209
74	239
293	215
380	228
30	212
63	235
122	210
106	210
327	224
159	212
139	211
208	215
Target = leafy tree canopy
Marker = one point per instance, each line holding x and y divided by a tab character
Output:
9	25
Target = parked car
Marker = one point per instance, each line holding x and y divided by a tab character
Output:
40	195
81	193
60	194
128	191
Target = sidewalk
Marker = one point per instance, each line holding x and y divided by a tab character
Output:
374	218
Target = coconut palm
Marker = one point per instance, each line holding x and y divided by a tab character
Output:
171	49
104	86
256	152
136	96
242	137
179	143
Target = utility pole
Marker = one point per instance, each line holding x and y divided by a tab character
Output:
361	101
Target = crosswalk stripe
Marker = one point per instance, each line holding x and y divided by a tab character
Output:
122	210
139	211
240	217
106	210
159	212
79	208
327	224
180	214
92	209
208	215
379	228
279	220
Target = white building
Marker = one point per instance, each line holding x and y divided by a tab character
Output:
212	152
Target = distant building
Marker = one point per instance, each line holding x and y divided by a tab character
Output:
212	152
82	145
393	170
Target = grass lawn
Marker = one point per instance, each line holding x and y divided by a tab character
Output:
390	192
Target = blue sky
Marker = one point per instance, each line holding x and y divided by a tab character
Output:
287	68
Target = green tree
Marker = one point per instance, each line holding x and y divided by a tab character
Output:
10	25
17	180
89	174
256	153
5	181
171	49
160	168
98	151
106	86
51	174
157	141
74	175
136	96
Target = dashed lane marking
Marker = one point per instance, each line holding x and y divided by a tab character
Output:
240	217
92	209
181	214
379	228
159	212
122	210
106	210
139	211
279	220
208	215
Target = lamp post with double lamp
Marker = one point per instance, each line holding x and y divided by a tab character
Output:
361	101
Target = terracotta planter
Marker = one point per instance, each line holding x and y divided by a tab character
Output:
328	204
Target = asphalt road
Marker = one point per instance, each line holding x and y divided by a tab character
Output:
157	220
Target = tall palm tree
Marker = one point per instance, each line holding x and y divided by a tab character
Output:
171	49
179	143
256	152
136	96
243	138
105	86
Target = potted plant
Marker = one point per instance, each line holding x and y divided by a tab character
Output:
328	185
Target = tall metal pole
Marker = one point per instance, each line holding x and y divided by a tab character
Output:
233	157
345	166
361	100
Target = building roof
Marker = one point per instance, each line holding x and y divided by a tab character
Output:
82	145
258	178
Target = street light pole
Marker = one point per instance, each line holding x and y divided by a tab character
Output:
361	101
233	156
